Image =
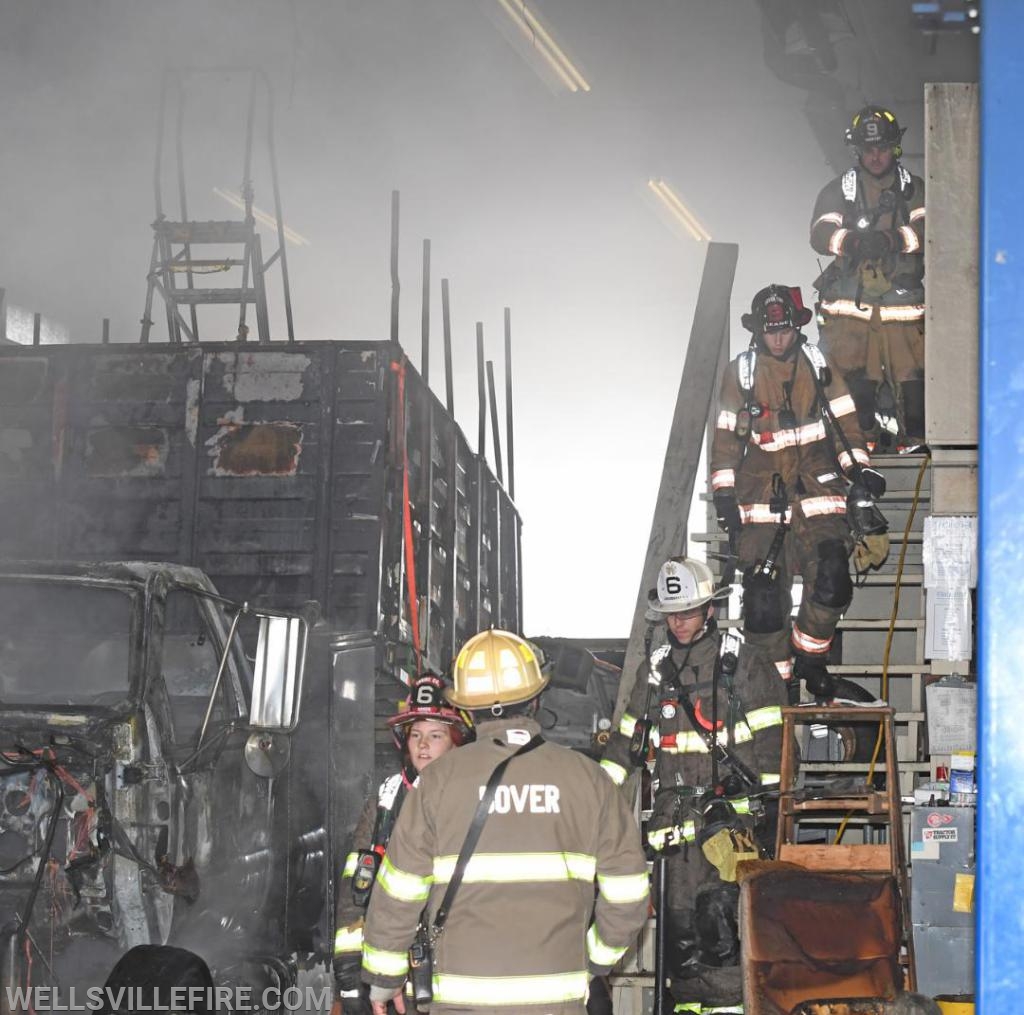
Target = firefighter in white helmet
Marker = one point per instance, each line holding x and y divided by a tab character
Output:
554	890
696	690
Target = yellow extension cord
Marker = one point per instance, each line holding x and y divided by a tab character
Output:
884	695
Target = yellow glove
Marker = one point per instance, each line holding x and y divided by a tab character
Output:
726	848
870	552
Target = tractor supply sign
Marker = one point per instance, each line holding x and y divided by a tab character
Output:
939	834
174	999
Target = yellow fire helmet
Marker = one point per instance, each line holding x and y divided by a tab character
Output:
496	668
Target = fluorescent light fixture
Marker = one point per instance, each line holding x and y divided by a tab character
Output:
674	203
527	22
261	216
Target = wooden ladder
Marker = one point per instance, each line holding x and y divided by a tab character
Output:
824	806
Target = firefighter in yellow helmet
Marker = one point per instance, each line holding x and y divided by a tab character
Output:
555	889
870	220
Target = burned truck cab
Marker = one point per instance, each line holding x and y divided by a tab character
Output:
139	760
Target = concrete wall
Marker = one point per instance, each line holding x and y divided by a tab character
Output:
951	265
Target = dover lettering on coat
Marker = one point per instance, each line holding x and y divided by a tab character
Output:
530	798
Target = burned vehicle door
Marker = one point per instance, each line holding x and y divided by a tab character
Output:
218	848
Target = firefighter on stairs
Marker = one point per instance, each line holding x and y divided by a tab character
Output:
793	489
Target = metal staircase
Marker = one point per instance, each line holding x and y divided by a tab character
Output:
233	248
859	652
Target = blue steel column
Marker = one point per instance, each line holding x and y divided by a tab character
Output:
1000	897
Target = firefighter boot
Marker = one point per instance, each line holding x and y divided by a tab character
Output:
912	397
816	677
862	391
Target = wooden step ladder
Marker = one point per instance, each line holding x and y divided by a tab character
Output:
878	812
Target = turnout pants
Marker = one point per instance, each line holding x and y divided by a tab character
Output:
871	353
816	548
702	942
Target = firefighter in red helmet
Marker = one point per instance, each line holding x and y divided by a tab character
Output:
871	221
786	448
425	727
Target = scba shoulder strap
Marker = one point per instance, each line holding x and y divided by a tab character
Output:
745	367
818	363
903	190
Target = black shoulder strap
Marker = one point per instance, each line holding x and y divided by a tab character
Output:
473	835
837	429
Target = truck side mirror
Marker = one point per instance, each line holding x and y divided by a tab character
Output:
278	672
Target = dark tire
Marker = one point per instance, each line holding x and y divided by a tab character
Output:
162	968
858	739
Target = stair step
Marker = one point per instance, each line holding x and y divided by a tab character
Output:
883	460
915	538
197	263
230	231
861	766
198	296
902	624
869	668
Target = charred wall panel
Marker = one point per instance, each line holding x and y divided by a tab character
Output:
467	545
29	444
490	548
441	590
277	470
357	485
125	426
509	525
260	452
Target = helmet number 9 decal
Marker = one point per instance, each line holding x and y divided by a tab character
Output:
424	696
673	586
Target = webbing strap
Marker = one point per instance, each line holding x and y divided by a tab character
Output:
473	835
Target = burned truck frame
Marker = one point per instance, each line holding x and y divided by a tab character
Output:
138	757
286	473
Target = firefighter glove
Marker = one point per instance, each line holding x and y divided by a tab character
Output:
816	677
872	481
862	513
873	243
870	552
728	513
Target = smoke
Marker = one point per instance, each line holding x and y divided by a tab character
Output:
534	198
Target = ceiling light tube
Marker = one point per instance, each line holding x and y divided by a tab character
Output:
677	201
684	213
567	64
543	44
261	216
656	186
